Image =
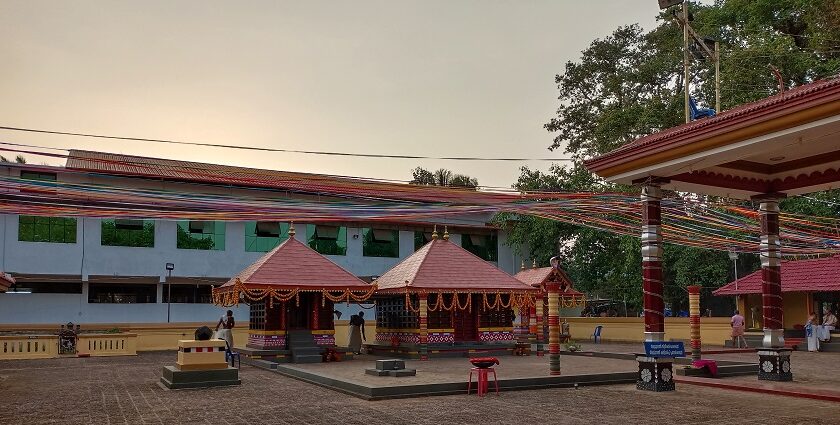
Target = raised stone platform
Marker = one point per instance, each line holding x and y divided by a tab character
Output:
175	379
391	367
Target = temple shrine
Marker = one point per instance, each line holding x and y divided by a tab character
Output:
534	320
444	301
291	292
763	151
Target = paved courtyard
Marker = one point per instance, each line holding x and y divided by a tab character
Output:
124	390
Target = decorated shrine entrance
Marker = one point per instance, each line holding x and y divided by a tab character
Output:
443	300
291	291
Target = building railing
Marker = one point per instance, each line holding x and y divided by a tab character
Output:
101	345
17	347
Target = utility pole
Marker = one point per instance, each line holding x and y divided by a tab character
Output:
685	59
717	76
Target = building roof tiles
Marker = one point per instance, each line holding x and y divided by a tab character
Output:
813	275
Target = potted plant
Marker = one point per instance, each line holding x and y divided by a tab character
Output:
572	346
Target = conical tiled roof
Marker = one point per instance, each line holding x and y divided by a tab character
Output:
294	265
441	266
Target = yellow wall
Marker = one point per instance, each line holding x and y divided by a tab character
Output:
795	305
713	330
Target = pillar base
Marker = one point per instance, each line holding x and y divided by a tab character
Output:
655	374
654	336
774	364
773	338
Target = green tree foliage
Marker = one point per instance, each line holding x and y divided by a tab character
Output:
630	84
442	177
187	241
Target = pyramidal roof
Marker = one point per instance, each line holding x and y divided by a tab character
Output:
294	265
537	276
443	266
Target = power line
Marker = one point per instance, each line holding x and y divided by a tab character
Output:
264	149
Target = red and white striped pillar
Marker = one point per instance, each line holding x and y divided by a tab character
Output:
540	330
652	263
771	268
553	289
694	320
316	311
423	322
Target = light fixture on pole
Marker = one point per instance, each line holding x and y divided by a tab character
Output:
734	257
169	268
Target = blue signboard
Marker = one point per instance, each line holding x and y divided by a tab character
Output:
664	349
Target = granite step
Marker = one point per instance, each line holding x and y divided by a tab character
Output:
307	358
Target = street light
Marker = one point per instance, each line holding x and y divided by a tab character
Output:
734	257
169	268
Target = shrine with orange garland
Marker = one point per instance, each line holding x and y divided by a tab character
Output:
291	292
444	301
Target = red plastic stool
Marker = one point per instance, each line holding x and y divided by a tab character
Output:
481	380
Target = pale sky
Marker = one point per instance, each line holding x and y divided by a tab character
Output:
436	78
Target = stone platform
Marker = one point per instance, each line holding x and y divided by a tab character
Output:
175	379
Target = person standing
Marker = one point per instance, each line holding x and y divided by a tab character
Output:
226	323
357	332
829	324
812	329
738	324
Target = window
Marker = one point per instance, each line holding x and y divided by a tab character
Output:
263	236
48	287
188	294
421	238
484	246
134	233
327	240
209	235
392	314
133	293
380	243
46	229
34	175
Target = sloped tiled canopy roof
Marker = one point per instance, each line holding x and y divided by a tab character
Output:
441	266
814	275
6	280
785	143
293	265
537	277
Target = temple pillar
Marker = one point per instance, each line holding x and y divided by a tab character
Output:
553	289
540	330
694	321
423	322
773	357
316	311
532	324
655	373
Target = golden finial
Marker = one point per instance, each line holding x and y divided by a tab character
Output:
292	229
434	233
535	263
522	266
445	233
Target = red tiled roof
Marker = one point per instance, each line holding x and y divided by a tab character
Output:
444	266
139	166
294	265
6	280
801	97
821	274
537	276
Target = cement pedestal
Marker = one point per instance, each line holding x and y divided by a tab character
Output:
774	364
174	379
655	374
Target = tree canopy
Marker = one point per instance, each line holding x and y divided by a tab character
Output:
630	84
442	177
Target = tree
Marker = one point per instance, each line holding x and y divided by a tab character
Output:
442	177
630	84
20	159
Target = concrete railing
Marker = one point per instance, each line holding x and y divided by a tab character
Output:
16	347
102	345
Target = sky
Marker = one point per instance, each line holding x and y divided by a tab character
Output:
429	78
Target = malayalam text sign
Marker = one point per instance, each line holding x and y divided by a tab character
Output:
664	349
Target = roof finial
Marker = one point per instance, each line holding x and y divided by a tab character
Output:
292	229
445	233
535	263
434	233
522	266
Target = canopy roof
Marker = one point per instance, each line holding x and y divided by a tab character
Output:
782	144
6	280
814	275
441	266
293	265
537	277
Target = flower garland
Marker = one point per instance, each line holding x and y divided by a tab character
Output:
232	295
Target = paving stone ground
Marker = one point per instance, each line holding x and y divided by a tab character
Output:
124	390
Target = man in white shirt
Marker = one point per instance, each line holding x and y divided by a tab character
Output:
828	325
